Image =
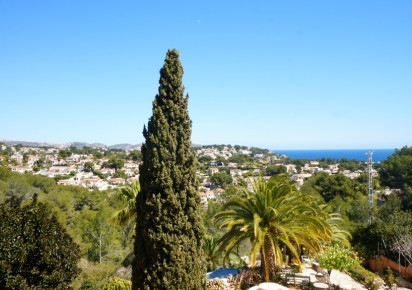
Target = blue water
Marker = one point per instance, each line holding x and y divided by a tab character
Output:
359	154
222	273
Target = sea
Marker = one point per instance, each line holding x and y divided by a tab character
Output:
358	154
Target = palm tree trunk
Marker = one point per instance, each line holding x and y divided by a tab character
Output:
262	264
272	263
268	264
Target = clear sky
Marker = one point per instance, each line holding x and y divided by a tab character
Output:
274	74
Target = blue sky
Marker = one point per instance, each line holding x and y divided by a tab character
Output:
273	74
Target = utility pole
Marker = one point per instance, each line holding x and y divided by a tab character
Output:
370	186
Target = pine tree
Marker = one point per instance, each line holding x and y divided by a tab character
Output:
36	252
169	231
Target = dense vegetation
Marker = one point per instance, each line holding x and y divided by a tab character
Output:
396	171
86	215
390	225
35	250
169	232
101	223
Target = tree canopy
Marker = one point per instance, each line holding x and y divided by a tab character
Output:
169	232
331	186
396	171
221	179
35	250
388	222
78	211
274	170
336	257
271	215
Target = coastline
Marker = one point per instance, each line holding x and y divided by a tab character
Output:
358	154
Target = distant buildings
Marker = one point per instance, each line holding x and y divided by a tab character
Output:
220	158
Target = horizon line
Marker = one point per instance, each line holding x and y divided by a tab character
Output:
331	149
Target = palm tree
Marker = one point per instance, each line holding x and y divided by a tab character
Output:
211	248
127	195
127	215
273	215
339	235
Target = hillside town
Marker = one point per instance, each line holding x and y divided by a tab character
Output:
220	165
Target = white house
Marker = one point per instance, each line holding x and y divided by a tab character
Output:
20	169
213	170
235	172
131	165
93	182
129	173
117	181
17	157
108	171
32	159
203	197
72	159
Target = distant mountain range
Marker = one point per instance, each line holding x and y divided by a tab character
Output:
126	147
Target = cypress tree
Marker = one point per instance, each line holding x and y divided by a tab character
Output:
169	231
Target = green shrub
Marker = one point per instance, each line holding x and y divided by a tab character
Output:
365	277
88	285
94	274
389	277
338	258
116	283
